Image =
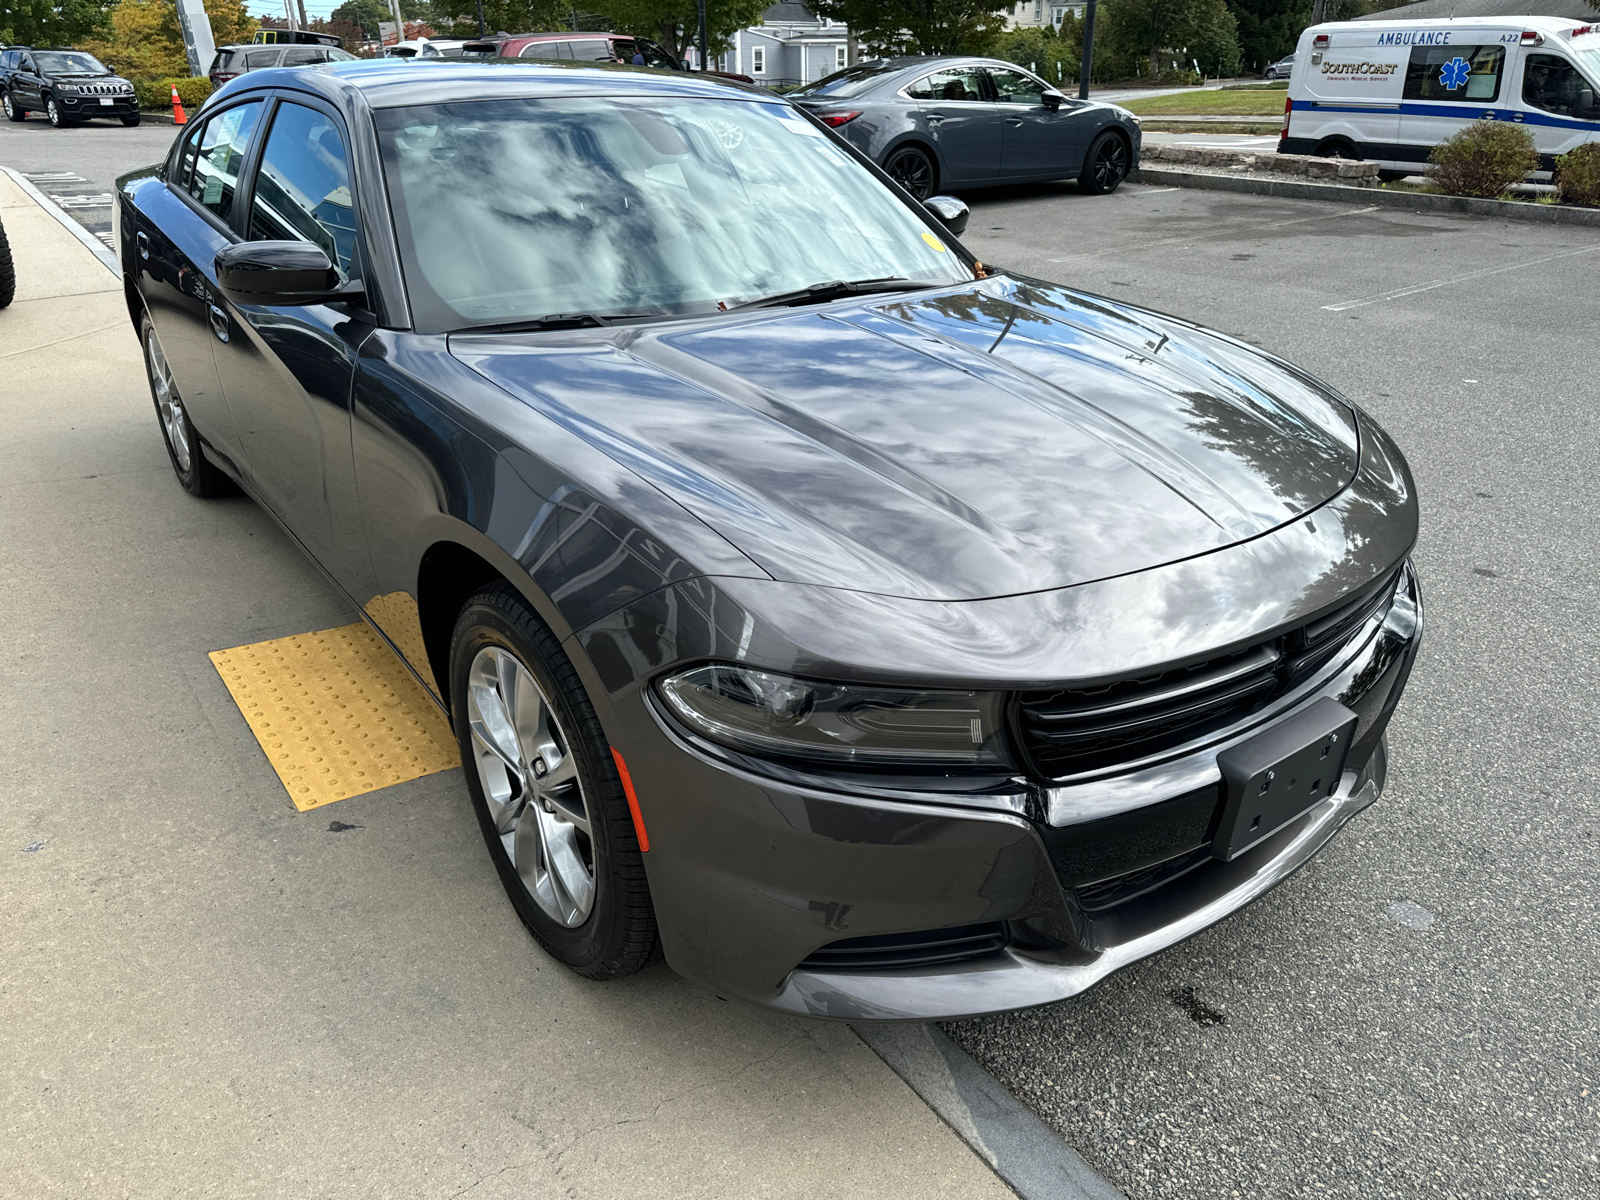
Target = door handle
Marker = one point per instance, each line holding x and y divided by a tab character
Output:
219	323
1013	120
935	118
143	241
1517	117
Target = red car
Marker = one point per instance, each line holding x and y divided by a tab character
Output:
595	47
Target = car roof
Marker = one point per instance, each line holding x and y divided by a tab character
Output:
398	82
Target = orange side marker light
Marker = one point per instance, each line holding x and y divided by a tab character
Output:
633	801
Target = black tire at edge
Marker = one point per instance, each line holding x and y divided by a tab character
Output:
619	936
8	271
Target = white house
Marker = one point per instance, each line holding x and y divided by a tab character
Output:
791	45
1034	14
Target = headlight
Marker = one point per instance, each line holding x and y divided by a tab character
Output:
773	715
66	88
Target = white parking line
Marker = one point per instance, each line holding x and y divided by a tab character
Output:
1397	293
1227	232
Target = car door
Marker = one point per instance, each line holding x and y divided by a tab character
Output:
1037	139
176	241
25	86
286	370
965	124
1561	106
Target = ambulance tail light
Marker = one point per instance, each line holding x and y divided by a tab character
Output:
1288	107
1532	38
1319	42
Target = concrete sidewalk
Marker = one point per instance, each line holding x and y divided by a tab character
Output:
205	993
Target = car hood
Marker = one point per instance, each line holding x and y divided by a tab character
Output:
1002	437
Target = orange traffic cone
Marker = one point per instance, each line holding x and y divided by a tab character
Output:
178	115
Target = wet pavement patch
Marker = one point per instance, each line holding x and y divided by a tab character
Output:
1196	1009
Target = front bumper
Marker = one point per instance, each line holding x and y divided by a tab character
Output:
84	107
751	874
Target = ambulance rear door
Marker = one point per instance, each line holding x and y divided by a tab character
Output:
1351	92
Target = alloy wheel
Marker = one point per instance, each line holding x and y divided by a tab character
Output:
912	171
52	111
530	783
5	102
1110	163
170	409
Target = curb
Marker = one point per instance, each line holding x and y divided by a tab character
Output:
1020	1148
94	245
1549	214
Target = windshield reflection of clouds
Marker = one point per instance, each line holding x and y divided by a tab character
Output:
522	209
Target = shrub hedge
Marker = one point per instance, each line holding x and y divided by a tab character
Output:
1578	175
1483	160
156	94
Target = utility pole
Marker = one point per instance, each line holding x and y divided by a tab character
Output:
304	24
704	63
1088	51
1319	10
481	29
399	21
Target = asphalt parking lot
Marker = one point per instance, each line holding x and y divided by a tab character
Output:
240	999
1416	1013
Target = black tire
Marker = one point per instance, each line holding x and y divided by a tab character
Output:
13	111
8	271
131	120
54	114
1336	148
1106	165
912	169
195	472
1391	176
618	935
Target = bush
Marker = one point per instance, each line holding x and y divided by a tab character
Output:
157	93
1483	160
1578	175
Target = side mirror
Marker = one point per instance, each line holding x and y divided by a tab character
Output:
1052	98
952	213
280	273
685	62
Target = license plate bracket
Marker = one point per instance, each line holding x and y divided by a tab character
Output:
1275	776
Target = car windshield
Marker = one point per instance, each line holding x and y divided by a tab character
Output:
1588	57
55	62
511	211
851	81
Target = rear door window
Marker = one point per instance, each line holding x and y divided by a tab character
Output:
541	50
962	83
590	50
258	59
302	188
1462	74
299	56
209	168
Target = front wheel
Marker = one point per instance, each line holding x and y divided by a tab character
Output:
14	111
52	110
546	789
131	120
8	271
1106	165
913	170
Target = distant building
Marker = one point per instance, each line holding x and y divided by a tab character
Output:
1035	14
1431	10
791	45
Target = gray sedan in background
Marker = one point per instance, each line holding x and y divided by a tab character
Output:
944	124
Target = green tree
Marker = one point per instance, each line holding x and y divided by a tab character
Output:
1269	29
920	26
1203	30
364	14
676	23
42	23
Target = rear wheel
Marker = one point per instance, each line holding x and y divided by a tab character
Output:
913	170
1106	165
546	789
8	271
1391	176
1336	148
13	110
194	471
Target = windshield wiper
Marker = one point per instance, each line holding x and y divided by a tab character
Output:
555	321
819	292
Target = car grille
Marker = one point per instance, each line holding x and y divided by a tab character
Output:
1072	731
933	947
100	89
1109	893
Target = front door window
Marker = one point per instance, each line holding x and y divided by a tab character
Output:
1553	84
302	190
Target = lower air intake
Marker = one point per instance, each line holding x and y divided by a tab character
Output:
898	951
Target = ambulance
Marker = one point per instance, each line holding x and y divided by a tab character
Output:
1390	91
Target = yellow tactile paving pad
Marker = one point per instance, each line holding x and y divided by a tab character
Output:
336	713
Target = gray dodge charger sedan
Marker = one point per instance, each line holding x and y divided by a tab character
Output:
873	633
952	123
